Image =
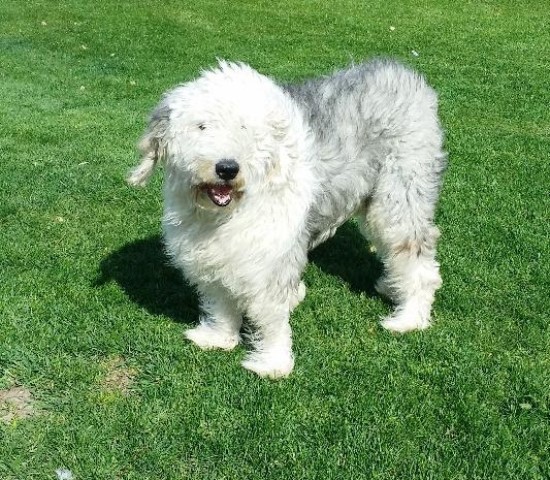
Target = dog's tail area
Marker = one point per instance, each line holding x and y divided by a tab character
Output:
151	146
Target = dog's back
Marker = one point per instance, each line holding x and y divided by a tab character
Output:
361	118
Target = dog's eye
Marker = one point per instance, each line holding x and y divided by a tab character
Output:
201	126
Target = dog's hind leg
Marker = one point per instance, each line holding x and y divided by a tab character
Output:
399	222
411	279
220	322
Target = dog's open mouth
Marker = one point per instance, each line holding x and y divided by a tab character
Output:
220	194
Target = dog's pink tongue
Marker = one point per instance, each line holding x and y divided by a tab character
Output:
220	194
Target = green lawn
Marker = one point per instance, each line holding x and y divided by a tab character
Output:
95	376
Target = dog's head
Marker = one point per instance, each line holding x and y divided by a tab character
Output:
222	137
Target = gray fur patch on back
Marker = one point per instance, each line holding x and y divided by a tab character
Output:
371	120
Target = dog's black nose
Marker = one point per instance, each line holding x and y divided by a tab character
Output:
227	169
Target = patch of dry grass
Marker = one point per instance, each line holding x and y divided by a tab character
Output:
118	376
16	403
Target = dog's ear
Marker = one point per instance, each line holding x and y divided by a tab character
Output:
152	147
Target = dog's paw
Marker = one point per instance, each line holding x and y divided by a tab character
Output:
271	364
209	338
403	322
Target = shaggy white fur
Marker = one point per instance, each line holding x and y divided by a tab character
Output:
256	174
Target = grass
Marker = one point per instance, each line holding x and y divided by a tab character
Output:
91	318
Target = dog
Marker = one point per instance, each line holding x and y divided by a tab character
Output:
258	173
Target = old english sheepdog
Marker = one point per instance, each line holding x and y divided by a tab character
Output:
258	173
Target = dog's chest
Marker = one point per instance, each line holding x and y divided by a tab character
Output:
238	254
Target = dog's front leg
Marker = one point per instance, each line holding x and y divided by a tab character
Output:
272	340
220	321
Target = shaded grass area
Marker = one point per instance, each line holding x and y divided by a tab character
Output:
83	279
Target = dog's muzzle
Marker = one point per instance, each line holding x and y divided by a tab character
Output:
220	194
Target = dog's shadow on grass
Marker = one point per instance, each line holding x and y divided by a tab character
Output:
143	272
347	256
